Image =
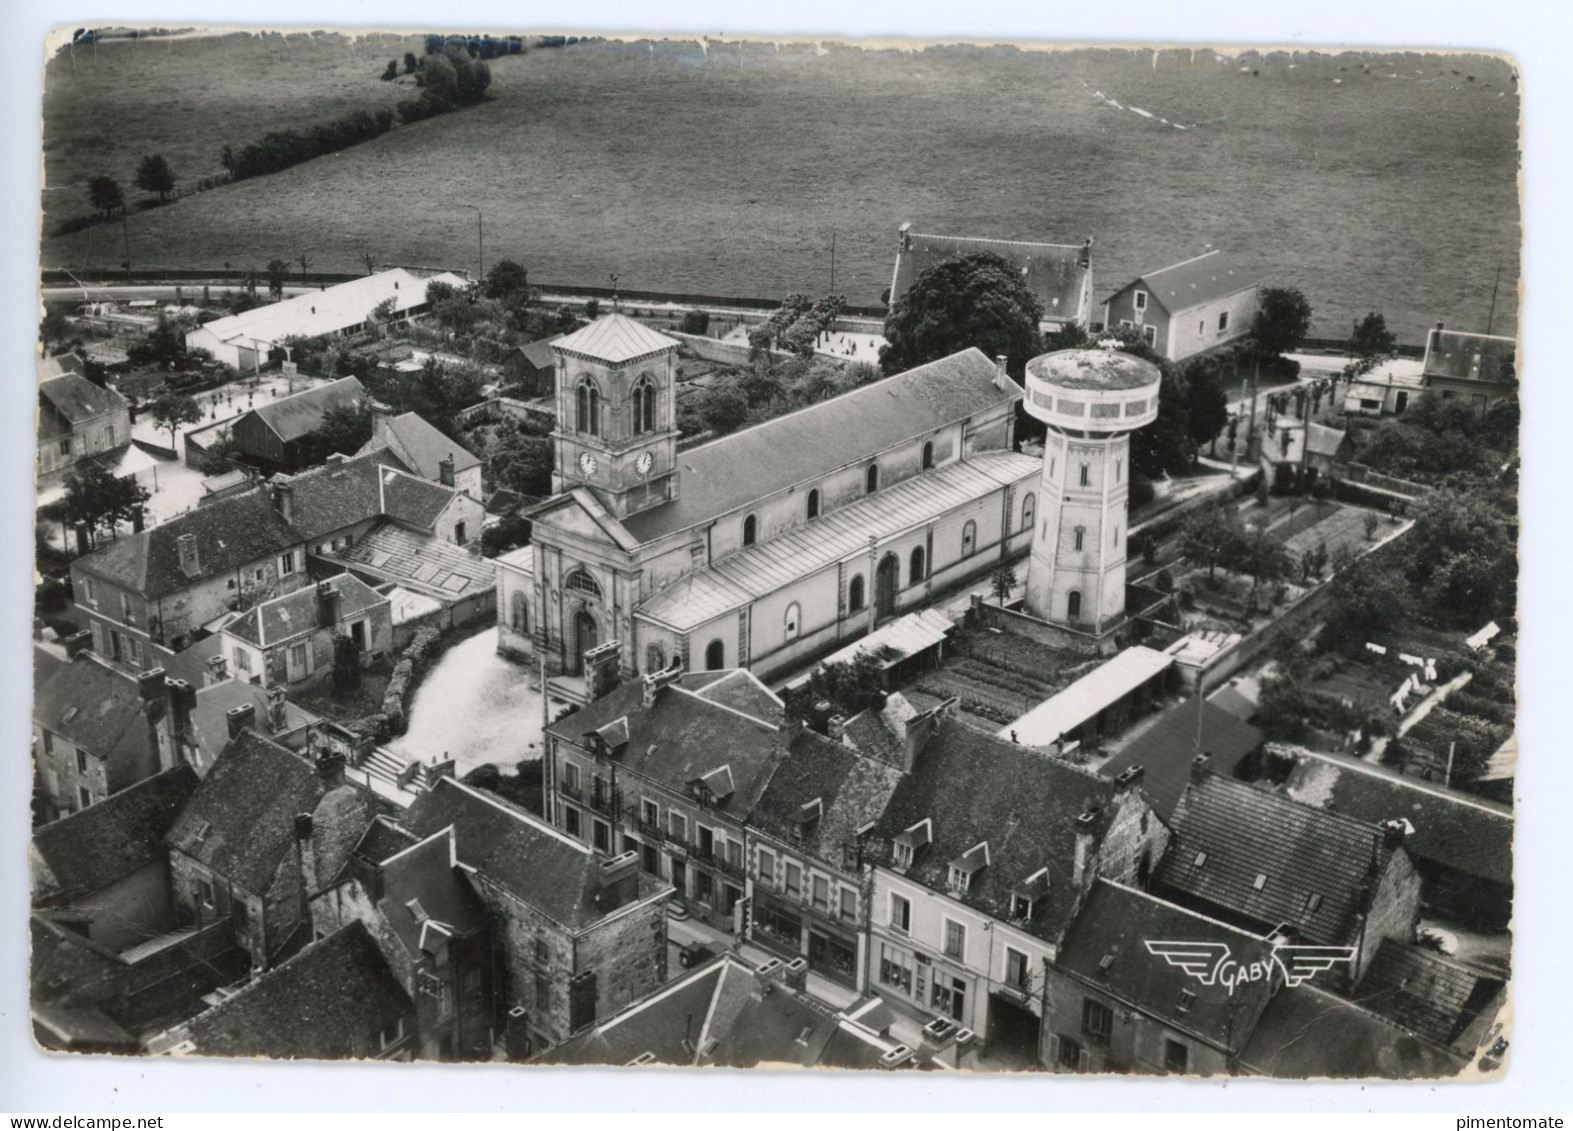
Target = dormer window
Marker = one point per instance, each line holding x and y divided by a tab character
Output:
960	879
903	855
968	865
1020	908
909	840
1187	999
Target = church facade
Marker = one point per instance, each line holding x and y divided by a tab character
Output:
770	546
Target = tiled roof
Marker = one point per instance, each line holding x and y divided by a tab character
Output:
328	311
1052	272
412	500
685	736
1247	832
241	820
615	338
1105	685
94	847
1456	830
1195	281
55	366
77	399
425	876
1470	357
326	1003
514	850
809	444
763	568
421	446
973	787
852	791
1307	1033
1164	751
230	534
1428	994
295	614
338	495
91	705
1118	920
539	353
299	415
422	562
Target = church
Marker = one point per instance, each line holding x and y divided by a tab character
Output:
768	547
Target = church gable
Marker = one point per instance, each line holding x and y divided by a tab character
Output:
577	515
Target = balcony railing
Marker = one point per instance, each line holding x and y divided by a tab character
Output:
607	802
1019	987
571	791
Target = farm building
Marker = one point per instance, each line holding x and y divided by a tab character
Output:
1058	275
270	435
1186	308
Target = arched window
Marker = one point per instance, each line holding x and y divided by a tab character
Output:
789	623
1081	536
928	454
1086	475
581	581
1029	510
644	406
520	618
871	480
654	659
715	656
1073	605
750	529
813	503
855	595
915	575
588	408
969	539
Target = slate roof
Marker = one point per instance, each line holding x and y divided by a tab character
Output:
412	500
301	414
1470	357
974	787
338	495
1118	920
614	338
1052	272
422	562
806	445
539	353
1192	282
326	1003
61	363
1165	749
295	614
1428	994
1307	1033
420	446
852	791
762	569
512	849
78	399
91	705
685	736
230	534
383	838
1245	832
210	718
426	876
241	821
92	848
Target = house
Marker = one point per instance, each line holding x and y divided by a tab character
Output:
97	731
985	854
1461	844
806	855
1268	864
669	767
1102	702
1111	1004
265	831
1450	1003
533	367
108	864
576	935
1308	1033
245	341
1387	389
336	505
274	436
154	591
290	639
425	451
432	929
1479	369
78	419
335	1000
227	704
1163	751
1284	447
1058	275
869	504
1187	308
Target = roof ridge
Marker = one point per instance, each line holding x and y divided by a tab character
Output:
724	707
988	239
1407	782
1149	897
444	831
1370	827
523	816
1181	263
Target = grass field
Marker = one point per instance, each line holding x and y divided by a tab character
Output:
724	169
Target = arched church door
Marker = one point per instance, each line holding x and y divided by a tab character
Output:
586	635
887	580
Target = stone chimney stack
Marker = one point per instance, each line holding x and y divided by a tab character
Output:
1001	378
186	550
1085	825
182	701
445	470
330	768
307	848
836	727
619	881
1201	766
240	718
284	498
904	240
1393	834
150	685
278	710
1129	778
1084	259
327	604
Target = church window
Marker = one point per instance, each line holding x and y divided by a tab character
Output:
916	573
1081	535
588	408
715	656
790	622
855	594
521	612
1073	605
813	503
644	406
1029	510
969	539
872	478
928	455
750	530
654	659
1086	475
581	580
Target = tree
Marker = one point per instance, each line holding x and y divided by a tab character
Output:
1370	342
346	663
171	410
53	330
278	275
506	281
1283	319
725	410
410	63
1264	558
1002	581
522	463
1365	600
1211	537
104	193
154	175
1206	404
345	429
592	309
97	498
848	686
696	322
164	346
392	71
975	300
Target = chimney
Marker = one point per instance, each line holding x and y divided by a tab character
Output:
1201	766
150	685
904	236
836	727
218	669
327	604
284	498
278	710
619	882
1001	379
308	852
445	471
766	974
1393	833
190	561
1129	778
330	768
240	718
381	417
1084	260
77	643
1084	831
182	700
920	729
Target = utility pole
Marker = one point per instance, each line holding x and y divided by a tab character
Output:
833	268
480	248
1490	318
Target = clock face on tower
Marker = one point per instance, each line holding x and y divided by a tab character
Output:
642	464
587	463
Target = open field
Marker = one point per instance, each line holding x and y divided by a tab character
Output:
724	169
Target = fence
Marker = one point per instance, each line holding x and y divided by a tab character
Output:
1360	473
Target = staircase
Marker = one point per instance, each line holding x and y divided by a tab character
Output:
384	764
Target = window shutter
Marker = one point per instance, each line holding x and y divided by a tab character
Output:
1083	1061
1054	1051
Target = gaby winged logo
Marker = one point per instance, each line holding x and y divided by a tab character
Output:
1214	964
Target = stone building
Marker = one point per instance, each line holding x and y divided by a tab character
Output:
289	639
1058	275
78	419
1187	308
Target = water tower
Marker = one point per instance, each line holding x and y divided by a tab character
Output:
1091	400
